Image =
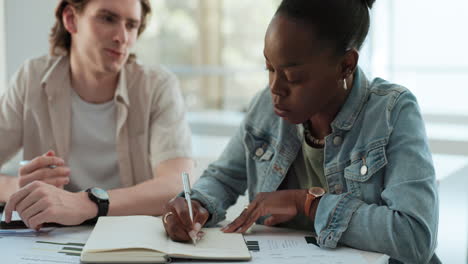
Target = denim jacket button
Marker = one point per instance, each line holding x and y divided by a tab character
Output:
338	189
259	152
364	170
337	141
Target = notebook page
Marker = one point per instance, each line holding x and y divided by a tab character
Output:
214	245
123	232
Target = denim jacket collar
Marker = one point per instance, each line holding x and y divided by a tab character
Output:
354	103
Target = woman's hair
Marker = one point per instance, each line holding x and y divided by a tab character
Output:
344	24
60	38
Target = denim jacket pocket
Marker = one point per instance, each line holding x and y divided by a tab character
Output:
364	166
259	147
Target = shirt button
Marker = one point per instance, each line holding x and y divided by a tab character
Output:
337	140
259	152
338	189
364	170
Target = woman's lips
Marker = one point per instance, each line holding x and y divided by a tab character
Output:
280	111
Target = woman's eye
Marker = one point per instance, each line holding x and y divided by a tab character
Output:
293	78
294	81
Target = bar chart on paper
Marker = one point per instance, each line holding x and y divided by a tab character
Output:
44	252
69	249
59	246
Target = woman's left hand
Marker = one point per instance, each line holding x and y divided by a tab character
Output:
281	205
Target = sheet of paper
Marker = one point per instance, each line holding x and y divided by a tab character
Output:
281	245
278	245
61	245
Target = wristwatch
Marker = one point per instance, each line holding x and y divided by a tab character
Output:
312	194
101	199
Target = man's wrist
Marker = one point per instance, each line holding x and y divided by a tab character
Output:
90	209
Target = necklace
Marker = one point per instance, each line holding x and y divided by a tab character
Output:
311	140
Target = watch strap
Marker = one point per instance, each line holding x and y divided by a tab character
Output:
308	203
102	205
312	194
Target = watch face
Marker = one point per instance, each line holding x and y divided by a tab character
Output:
317	191
100	193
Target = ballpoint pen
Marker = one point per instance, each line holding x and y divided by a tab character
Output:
187	193
24	162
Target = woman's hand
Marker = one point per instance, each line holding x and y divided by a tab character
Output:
177	222
281	205
47	168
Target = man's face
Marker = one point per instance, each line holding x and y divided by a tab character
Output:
106	30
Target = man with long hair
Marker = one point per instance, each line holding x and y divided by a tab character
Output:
103	134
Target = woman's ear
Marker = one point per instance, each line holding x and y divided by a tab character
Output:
349	63
69	19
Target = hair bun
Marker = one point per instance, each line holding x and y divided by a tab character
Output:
369	3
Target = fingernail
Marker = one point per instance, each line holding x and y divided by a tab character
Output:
197	227
192	234
200	235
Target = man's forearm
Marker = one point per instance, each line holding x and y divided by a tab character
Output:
150	197
8	186
147	198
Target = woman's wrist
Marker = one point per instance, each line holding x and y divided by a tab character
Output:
313	209
300	197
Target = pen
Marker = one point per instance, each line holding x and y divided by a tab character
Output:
187	192
24	162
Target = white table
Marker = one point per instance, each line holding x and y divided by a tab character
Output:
52	247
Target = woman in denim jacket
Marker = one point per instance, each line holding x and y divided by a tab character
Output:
322	123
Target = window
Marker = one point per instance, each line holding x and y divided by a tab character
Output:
214	46
421	44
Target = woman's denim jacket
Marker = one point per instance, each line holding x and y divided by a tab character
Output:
382	191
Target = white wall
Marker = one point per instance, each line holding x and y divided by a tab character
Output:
2	47
27	24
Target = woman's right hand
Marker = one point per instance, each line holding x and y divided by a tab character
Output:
176	220
47	168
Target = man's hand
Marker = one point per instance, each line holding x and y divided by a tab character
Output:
38	203
47	168
281	205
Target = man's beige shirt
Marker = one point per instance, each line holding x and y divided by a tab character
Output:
35	114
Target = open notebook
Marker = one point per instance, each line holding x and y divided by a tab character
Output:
142	239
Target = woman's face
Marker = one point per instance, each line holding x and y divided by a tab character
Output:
304	76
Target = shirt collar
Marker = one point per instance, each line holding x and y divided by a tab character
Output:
58	77
354	103
121	93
